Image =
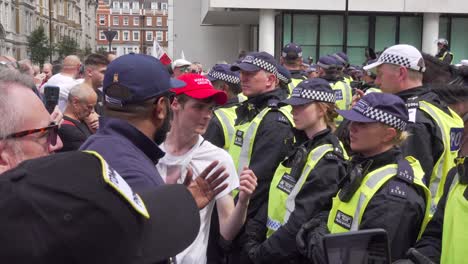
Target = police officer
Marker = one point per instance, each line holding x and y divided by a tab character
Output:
305	182
284	78
444	240
383	188
262	128
221	128
436	130
444	53
329	70
291	59
343	59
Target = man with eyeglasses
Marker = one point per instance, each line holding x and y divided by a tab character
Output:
27	130
180	66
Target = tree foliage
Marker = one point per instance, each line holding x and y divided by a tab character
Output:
38	45
67	46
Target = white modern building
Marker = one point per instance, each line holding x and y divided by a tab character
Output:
214	30
18	18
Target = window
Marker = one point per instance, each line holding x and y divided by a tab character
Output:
410	30
101	35
115	5
305	32
385	28
115	21
117	35
126	5
159	21
126	35
154	5
459	38
149	21
164	6
167	35
159	36
136	5
136	21
125	21
149	36
136	35
358	38
102	20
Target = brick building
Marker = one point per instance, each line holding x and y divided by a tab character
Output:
137	22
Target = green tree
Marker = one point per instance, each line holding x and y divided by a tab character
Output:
67	46
38	45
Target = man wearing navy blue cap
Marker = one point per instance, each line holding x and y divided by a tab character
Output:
284	77
434	127
329	69
221	128
136	119
262	127
291	59
383	188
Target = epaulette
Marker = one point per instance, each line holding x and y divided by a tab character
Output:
397	189
273	103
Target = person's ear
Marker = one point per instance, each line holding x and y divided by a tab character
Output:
160	109
389	134
403	73
271	80
6	160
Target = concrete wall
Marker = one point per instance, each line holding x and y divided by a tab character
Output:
207	44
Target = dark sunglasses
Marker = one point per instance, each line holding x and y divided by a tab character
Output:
52	129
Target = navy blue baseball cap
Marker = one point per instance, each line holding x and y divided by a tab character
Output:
143	77
256	61
385	108
311	90
283	74
291	51
342	57
223	72
328	62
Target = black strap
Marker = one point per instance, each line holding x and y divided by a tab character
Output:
405	171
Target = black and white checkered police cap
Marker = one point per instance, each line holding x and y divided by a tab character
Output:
403	55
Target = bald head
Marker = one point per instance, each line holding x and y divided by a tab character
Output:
71	66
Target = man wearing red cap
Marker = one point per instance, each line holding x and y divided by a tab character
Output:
187	150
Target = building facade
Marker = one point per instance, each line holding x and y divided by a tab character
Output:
73	18
137	23
321	27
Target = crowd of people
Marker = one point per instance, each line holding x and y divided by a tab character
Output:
250	162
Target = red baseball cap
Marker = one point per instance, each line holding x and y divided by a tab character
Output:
199	87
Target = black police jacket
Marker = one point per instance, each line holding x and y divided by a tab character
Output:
214	133
271	144
400	215
316	195
430	244
425	142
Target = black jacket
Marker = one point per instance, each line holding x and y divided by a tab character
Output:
271	145
316	195
400	215
425	142
430	244
271	142
214	133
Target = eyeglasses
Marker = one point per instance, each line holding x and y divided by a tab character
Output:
51	129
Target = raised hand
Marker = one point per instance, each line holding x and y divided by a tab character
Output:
247	185
204	189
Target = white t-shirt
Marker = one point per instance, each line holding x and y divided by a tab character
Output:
65	83
174	169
